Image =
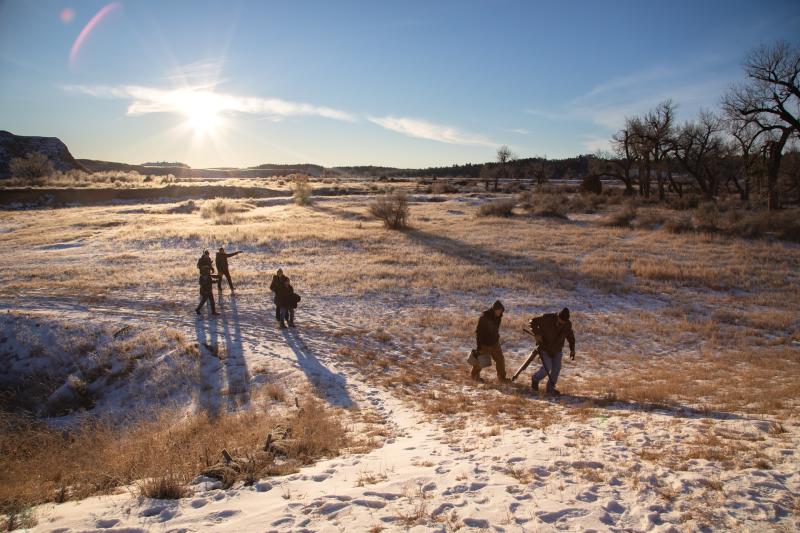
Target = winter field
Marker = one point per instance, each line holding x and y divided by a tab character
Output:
679	412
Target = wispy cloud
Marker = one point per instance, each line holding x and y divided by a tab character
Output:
607	104
144	100
423	129
520	131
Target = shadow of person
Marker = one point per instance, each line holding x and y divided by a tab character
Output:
209	387
329	385
237	375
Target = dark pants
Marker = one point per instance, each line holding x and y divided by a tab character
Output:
207	297
227	275
277	310
286	313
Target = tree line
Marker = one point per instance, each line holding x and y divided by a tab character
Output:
749	146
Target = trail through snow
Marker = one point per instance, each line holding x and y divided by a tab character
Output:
426	477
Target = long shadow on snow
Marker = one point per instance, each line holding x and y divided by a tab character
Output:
209	386
673	409
329	385
234	364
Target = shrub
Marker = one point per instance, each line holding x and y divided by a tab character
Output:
166	487
586	203
592	184
443	187
546	204
32	167
621	218
392	209
685	202
706	217
497	208
302	190
649	219
223	210
679	224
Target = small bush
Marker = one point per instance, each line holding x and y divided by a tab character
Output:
166	487
302	190
443	187
685	202
707	218
679	224
497	208
586	203
592	184
649	219
392	209
546	204
32	167
621	218
224	210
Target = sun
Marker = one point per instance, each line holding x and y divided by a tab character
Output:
202	113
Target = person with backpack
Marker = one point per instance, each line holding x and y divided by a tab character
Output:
551	330
277	282
287	302
221	259
487	335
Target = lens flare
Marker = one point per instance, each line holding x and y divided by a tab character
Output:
100	15
66	15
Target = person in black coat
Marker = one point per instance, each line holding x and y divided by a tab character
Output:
277	282
221	260
286	300
204	263
206	289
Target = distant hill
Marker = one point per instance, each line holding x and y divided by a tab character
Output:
175	164
12	146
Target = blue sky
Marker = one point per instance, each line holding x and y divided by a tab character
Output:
337	82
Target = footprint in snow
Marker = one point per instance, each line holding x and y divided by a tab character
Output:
198	503
476	523
219	516
285	521
564	514
106	523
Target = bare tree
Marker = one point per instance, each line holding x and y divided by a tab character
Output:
622	159
771	100
504	156
700	148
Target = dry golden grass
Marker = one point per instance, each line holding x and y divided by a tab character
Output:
39	464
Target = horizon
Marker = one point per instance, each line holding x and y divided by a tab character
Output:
353	84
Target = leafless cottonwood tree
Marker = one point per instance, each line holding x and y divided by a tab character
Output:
770	99
700	148
504	156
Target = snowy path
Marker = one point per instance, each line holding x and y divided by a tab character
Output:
577	475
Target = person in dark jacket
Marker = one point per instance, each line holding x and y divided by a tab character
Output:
206	288
277	282
204	263
551	330
221	260
487	335
285	297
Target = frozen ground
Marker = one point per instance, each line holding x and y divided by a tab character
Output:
578	464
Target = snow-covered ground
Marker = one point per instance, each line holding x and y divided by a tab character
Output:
581	463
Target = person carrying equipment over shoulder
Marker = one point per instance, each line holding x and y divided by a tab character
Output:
487	335
551	330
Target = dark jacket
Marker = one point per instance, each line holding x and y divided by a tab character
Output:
204	263
284	295
277	281
207	280
488	331
221	260
553	336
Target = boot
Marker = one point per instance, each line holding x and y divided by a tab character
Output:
534	385
197	310
552	391
283	326
291	323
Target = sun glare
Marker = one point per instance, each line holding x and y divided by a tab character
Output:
202	113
